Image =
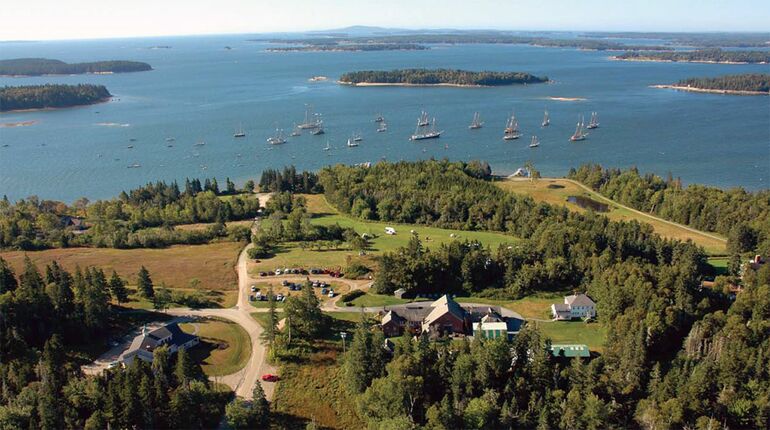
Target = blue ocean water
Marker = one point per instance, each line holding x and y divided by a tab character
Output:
200	91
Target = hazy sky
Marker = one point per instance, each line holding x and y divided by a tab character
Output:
72	19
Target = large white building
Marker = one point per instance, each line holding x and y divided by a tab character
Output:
170	335
574	306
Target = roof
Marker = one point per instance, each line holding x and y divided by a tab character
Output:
392	316
151	340
443	306
560	307
579	300
400	290
570	351
491	326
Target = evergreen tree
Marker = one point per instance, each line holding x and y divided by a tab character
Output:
184	371
7	277
118	288
271	328
144	283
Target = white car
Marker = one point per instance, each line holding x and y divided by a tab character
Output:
390	230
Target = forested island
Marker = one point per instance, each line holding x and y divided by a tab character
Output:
350	47
447	77
51	96
45	66
744	84
701	40
699	56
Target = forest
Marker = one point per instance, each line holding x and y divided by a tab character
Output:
757	82
439	76
701	56
51	96
45	66
351	47
141	218
701	40
49	322
742	216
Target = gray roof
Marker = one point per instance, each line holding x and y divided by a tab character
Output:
152	340
443	306
561	307
579	300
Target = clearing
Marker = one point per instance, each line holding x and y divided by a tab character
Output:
224	348
556	191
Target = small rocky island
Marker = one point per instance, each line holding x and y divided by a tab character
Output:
437	77
51	96
744	84
46	66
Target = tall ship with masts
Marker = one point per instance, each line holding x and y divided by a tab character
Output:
312	120
278	138
594	122
239	132
423	120
534	143
511	131
431	133
546	119
580	133
477	123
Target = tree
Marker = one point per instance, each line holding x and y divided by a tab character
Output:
161	299
7	277
184	370
144	283
364	360
271	328
260	405
303	314
118	288
240	415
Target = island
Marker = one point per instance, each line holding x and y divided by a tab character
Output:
46	66
715	56
744	84
51	96
350	47
437	77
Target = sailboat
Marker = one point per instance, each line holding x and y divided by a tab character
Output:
423	121
580	133
383	127
295	131
379	118
477	122
240	132
534	143
278	139
318	130
546	120
511	129
422	135
594	123
352	142
327	147
311	120
357	137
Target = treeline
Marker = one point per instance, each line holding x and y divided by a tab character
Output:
746	82
702	40
45	320
351	47
739	215
51	96
45	66
439	76
703	55
472	38
288	179
141	218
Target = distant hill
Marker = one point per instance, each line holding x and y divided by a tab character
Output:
45	66
51	96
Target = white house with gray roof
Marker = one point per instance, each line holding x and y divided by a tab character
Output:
169	335
574	307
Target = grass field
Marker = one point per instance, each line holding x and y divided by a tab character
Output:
291	255
719	264
561	189
579	332
376	300
537	305
262	317
224	349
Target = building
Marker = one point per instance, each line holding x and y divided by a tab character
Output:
570	351
493	329
446	317
145	344
399	293
574	306
392	324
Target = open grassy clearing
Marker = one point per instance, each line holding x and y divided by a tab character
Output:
262	317
556	191
561	332
204	226
214	298
224	349
376	300
719	264
537	305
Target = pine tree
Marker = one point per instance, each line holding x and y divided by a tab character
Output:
7	277
183	372
144	283
118	288
271	328
260	405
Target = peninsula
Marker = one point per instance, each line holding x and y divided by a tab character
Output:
350	47
716	56
51	96
437	77
45	66
745	84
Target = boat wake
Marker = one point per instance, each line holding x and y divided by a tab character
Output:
567	99
113	124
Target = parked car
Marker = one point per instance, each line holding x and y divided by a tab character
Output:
113	364
262	273
331	294
324	291
284	283
253	288
268	377
277	271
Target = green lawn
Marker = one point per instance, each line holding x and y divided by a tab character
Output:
225	346
579	332
537	305
719	264
262	317
352	316
376	300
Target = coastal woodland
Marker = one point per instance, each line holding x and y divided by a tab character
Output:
714	55
439	76
754	82
51	96
46	66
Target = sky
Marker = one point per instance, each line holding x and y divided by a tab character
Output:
89	19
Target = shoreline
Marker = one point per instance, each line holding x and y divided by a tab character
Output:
71	74
394	84
100	101
710	90
653	60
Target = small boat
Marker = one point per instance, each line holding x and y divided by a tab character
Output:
170	139
199	143
317	131
352	143
134	166
383	127
534	143
477	122
132	140
580	133
423	120
130	146
327	147
546	120
511	131
240	132
295	131
432	133
169	145
278	139
357	137
594	122
379	118
312	120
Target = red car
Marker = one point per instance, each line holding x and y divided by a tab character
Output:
270	378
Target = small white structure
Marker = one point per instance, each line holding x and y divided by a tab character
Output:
574	306
390	230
